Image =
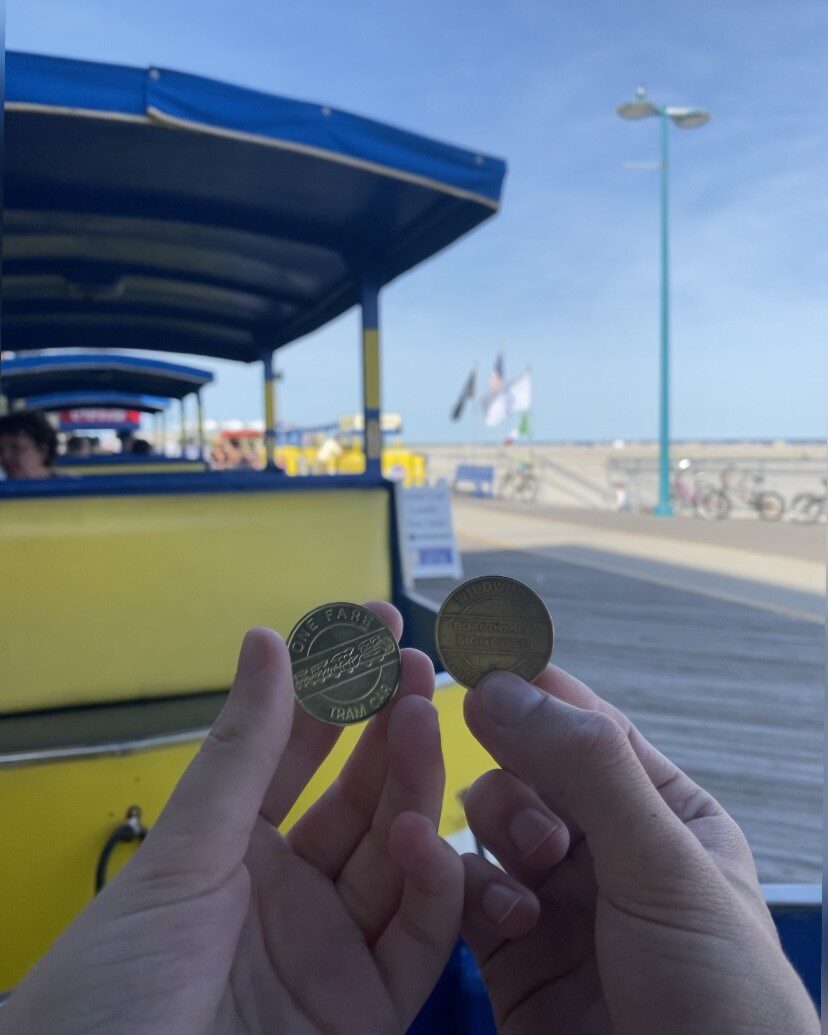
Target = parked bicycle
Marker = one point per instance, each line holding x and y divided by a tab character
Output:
521	483
745	490
700	498
809	507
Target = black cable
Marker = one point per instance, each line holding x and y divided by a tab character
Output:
132	829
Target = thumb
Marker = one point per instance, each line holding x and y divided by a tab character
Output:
208	820
583	767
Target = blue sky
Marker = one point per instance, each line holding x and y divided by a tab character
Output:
566	276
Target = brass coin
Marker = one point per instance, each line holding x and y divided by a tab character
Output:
490	623
346	663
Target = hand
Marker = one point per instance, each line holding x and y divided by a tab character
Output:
632	903
221	923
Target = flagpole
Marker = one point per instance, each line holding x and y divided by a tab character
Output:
531	408
473	401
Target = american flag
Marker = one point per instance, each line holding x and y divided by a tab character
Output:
496	376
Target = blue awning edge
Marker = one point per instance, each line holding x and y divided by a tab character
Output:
27	376
151	209
208	105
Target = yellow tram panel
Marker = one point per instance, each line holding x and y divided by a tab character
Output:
58	814
116	598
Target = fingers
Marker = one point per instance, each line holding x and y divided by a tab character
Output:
207	822
311	742
416	944
583	767
509	818
330	831
684	797
370	884
496	908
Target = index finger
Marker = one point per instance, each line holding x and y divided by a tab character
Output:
311	741
208	819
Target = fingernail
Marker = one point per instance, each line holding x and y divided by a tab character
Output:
423	705
499	901
529	829
508	699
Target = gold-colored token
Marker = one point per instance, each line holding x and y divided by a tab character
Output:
346	663
490	623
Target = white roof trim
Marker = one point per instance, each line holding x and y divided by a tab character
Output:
319	152
155	116
83	113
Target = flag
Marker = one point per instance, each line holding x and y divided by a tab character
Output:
496	376
466	394
520	393
513	397
495	409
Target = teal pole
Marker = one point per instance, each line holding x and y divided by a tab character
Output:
642	107
664	507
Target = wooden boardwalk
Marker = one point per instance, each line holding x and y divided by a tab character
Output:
732	693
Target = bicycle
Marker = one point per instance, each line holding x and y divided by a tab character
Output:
745	491
808	507
703	500
520	484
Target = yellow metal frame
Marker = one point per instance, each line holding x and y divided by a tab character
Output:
371	368
270	411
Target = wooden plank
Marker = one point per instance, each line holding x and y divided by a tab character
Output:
733	694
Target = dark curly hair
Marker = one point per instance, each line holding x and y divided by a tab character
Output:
35	426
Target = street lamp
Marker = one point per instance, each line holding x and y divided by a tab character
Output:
685	118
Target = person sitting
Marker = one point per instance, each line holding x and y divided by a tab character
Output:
78	446
126	439
218	457
140	447
232	453
28	445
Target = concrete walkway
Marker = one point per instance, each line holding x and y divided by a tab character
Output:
778	568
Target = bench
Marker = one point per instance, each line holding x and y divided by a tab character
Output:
141	586
480	478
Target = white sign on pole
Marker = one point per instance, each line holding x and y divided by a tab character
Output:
428	548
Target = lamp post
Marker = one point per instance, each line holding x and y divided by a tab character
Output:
684	118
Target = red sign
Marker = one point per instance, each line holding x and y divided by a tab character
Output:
103	416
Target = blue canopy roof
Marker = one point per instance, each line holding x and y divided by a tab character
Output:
157	210
80	372
52	402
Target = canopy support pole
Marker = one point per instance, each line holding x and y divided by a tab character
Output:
200	405
372	436
182	443
270	411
